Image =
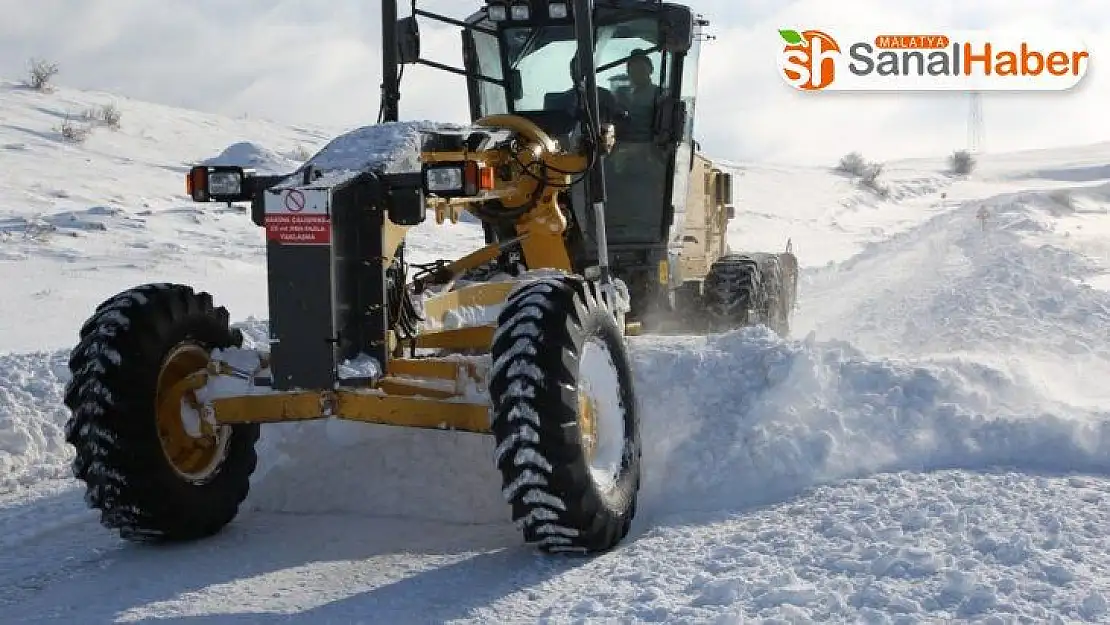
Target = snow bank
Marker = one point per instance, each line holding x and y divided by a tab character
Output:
747	418
730	422
32	442
1021	286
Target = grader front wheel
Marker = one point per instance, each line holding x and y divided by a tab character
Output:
193	447
153	469
565	421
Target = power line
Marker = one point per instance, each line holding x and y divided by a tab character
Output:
975	124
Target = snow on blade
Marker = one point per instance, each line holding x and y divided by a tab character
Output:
394	146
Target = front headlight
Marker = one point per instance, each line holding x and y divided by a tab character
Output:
444	179
466	179
219	183
497	12
520	12
225	183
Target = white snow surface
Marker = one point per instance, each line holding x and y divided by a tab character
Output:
932	443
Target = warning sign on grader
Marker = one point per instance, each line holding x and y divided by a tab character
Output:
298	217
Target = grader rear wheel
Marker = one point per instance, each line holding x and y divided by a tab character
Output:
748	289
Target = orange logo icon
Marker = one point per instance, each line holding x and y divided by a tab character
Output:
808	60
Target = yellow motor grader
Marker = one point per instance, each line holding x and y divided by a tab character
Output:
601	218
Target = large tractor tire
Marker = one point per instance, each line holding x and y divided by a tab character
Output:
565	417
749	289
732	293
154	469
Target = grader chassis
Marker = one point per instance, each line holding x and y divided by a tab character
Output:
167	400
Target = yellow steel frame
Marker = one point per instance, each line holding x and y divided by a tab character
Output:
407	396
542	227
431	392
353	405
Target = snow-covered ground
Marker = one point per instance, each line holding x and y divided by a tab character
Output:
933	442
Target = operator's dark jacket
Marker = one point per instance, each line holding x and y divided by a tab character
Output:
611	110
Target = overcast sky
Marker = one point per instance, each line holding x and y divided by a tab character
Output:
306	61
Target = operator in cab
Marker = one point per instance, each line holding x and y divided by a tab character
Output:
611	110
639	98
638	167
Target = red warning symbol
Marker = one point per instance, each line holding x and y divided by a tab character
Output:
294	201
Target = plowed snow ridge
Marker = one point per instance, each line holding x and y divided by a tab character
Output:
744	418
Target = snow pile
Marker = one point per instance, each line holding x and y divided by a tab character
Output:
1018	291
32	417
250	155
956	346
730	422
745	418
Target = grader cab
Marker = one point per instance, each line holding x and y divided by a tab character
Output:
601	220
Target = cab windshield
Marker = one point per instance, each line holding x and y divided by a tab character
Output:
541	57
532	65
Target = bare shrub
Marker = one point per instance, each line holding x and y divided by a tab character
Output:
866	173
962	162
852	164
300	153
110	115
40	74
869	179
72	131
105	115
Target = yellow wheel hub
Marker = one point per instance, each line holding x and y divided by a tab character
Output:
587	422
193	447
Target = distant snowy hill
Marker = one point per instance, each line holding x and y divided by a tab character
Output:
932	443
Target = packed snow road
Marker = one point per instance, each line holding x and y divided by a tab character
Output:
906	547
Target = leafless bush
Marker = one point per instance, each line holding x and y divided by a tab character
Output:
962	162
300	153
108	115
866	173
40	73
72	131
869	179
852	164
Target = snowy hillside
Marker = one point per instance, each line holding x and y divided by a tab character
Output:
933	442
